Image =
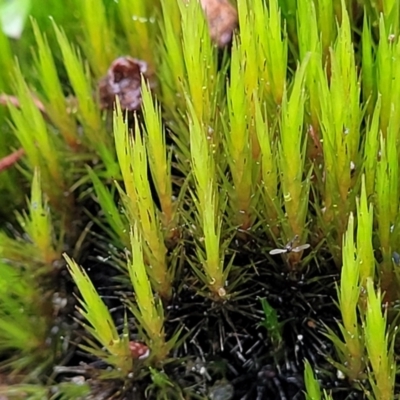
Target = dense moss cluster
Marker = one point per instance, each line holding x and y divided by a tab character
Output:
213	200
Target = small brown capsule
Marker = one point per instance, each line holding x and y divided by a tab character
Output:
139	350
222	20
123	79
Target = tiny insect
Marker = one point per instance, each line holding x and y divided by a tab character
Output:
289	247
396	258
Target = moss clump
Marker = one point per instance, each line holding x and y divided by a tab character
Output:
213	200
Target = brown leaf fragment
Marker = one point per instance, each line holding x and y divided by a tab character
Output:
6	99
123	79
11	159
139	350
222	20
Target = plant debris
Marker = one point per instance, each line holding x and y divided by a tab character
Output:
6	99
8	161
123	79
222	20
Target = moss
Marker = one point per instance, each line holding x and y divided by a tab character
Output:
213	200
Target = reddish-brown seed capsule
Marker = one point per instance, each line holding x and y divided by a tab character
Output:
222	20
123	79
139	350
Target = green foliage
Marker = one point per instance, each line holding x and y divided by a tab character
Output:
117	222
159	159
99	42
38	225
291	134
358	300
241	145
101	326
25	316
140	29
206	198
24	322
149	310
63	391
271	323
54	101
313	390
87	111
138	201
39	144
351	349
292	159
380	347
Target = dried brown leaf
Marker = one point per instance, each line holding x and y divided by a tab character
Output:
222	20
123	79
8	161
6	99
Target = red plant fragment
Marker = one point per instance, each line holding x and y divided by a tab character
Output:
6	99
222	20
139	350
317	151
11	159
123	79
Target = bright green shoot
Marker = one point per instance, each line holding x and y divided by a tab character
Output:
117	222
172	70
351	348
365	250
292	149
371	148
54	101
138	21
148	309
387	74
310	46
340	126
380	348
326	24
349	294
138	201
263	49
200	61
114	347
38	224
88	112
188	68
368	67
207	203
269	168
387	192
40	145
78	74
240	147
99	43
271	323
123	146
160	163
313	390
150	224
